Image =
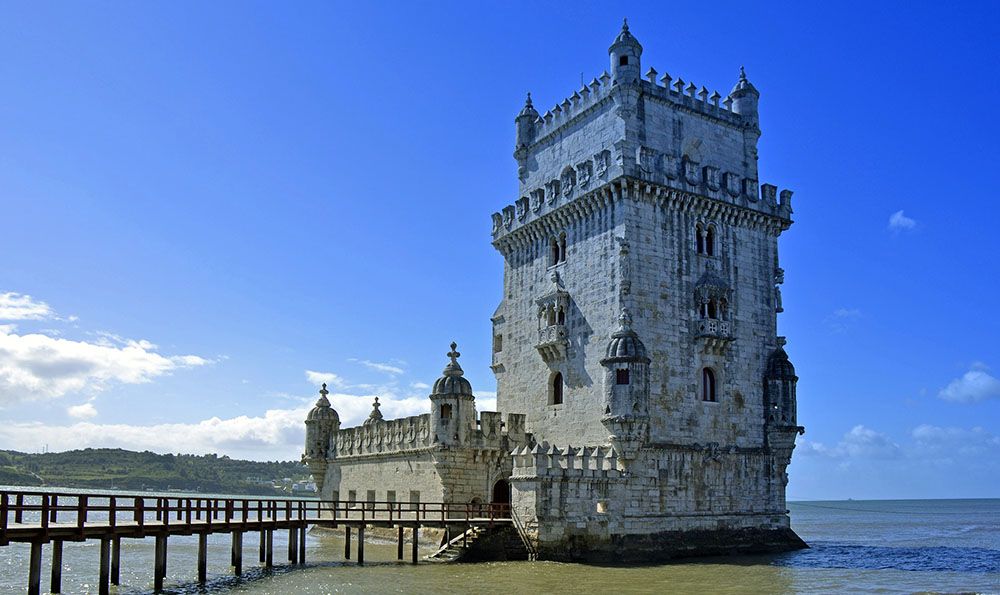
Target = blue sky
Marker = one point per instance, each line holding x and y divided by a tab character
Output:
207	209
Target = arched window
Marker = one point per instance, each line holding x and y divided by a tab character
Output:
550	315
554	248
710	241
557	389
699	238
561	316
623	61
446	411
621	376
562	247
713	311
708	385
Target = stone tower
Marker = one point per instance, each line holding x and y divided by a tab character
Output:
639	316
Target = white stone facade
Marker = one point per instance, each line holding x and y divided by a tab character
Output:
648	396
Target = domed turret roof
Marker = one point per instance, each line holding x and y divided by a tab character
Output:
528	109
323	411
625	345
625	38
778	365
743	86
452	382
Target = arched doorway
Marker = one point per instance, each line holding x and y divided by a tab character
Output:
501	496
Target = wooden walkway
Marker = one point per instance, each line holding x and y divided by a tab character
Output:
46	517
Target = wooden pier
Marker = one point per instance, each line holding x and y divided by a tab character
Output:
40	518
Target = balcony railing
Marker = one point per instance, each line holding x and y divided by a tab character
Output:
711	327
552	342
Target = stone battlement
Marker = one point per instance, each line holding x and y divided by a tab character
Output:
670	183
545	460
692	98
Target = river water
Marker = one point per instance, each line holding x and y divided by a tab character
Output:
884	546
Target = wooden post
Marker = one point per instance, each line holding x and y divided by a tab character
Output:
269	555
293	545
34	567
416	531
347	542
361	545
262	546
54	509
160	562
399	544
302	544
55	580
202	558
238	553
116	560
105	573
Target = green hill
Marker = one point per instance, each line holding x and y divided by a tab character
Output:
105	468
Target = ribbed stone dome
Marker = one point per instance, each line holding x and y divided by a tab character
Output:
625	345
323	411
743	86
625	37
779	367
452	382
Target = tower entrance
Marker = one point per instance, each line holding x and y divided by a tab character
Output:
501	494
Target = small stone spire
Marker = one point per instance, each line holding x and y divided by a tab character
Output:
323	401
375	415
453	369
625	320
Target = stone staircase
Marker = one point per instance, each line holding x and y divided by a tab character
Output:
483	544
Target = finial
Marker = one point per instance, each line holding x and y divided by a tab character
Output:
323	390
527	102
453	354
625	24
376	403
743	74
625	319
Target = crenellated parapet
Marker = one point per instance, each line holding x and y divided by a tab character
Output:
385	436
764	210
551	461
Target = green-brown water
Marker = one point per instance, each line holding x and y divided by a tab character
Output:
857	547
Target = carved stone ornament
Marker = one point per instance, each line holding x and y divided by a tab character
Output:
568	180
602	161
537	197
552	192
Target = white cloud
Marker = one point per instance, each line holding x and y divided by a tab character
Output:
383	367
419	385
83	411
900	222
329	378
974	386
278	434
35	366
16	306
859	442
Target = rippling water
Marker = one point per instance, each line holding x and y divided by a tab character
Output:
902	546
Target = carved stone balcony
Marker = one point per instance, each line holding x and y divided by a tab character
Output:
714	335
552	342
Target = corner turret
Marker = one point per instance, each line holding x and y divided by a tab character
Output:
744	97
453	407
779	388
625	53
322	424
626	389
526	123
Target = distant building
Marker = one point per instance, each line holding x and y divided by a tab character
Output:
648	405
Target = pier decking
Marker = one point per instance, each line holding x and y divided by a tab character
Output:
40	518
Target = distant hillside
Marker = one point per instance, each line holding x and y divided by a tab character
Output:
106	468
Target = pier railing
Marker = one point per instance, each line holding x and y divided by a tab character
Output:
37	514
38	517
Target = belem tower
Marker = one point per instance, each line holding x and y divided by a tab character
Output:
646	403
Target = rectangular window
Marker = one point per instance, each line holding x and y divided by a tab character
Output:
390	496
414	499
371	499
497	343
621	376
352	497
